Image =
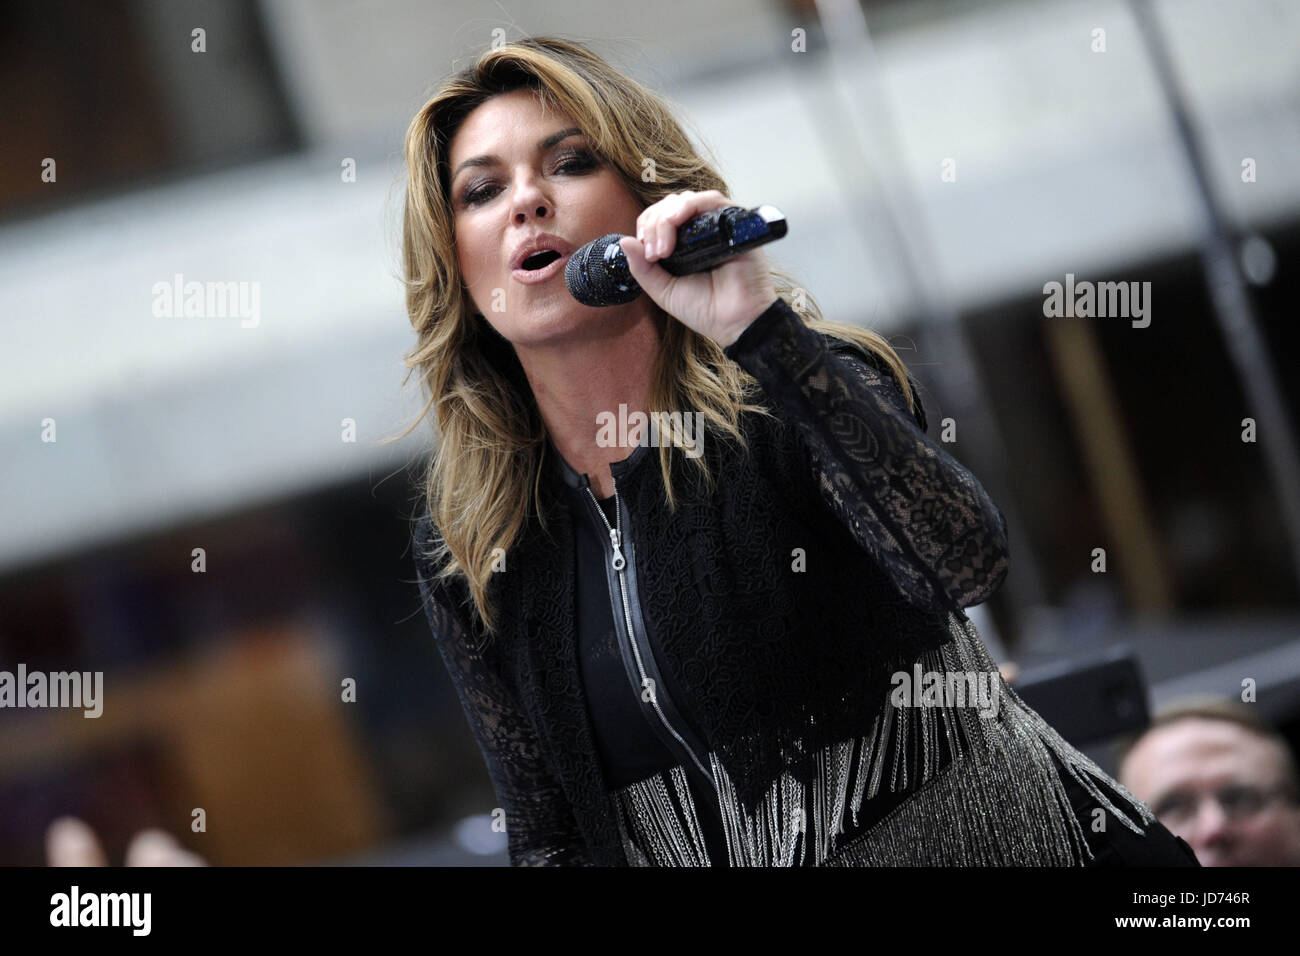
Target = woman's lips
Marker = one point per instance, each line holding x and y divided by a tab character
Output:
534	276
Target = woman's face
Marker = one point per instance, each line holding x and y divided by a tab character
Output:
527	179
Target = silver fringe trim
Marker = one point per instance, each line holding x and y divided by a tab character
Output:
999	802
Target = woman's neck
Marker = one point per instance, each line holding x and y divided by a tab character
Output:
578	384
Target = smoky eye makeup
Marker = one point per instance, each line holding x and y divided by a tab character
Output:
573	159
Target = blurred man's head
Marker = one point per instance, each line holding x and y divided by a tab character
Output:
1222	780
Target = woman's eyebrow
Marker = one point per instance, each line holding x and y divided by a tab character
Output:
543	145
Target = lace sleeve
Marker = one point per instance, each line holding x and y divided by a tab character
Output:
540	826
923	517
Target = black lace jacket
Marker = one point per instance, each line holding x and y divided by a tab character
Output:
831	555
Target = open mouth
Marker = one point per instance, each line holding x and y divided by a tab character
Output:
539	260
540	267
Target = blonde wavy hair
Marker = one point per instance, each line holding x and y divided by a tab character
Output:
482	482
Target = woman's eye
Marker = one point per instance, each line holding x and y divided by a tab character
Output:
573	163
476	196
577	161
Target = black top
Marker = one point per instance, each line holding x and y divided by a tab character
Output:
628	745
630	749
779	665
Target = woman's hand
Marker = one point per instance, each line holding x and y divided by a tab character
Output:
719	304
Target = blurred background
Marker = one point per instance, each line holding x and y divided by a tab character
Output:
939	164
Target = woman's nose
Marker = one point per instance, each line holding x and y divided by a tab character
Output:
521	216
529	200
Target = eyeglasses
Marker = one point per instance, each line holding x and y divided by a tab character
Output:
1237	801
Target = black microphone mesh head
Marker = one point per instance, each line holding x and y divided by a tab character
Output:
592	280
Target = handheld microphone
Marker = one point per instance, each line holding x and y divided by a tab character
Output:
598	274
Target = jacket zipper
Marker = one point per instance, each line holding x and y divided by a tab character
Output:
619	563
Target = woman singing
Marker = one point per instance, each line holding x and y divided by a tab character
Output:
748	649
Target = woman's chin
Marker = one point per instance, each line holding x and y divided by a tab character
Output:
565	321
543	327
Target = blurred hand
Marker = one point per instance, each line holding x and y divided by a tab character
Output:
71	842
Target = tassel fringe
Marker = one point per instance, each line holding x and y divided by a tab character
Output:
1000	801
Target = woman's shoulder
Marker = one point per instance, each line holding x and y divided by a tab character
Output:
431	556
883	378
447	598
426	542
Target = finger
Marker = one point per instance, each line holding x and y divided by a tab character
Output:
655	231
689	204
664	234
642	229
645	230
158	848
637	260
71	842
653	279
